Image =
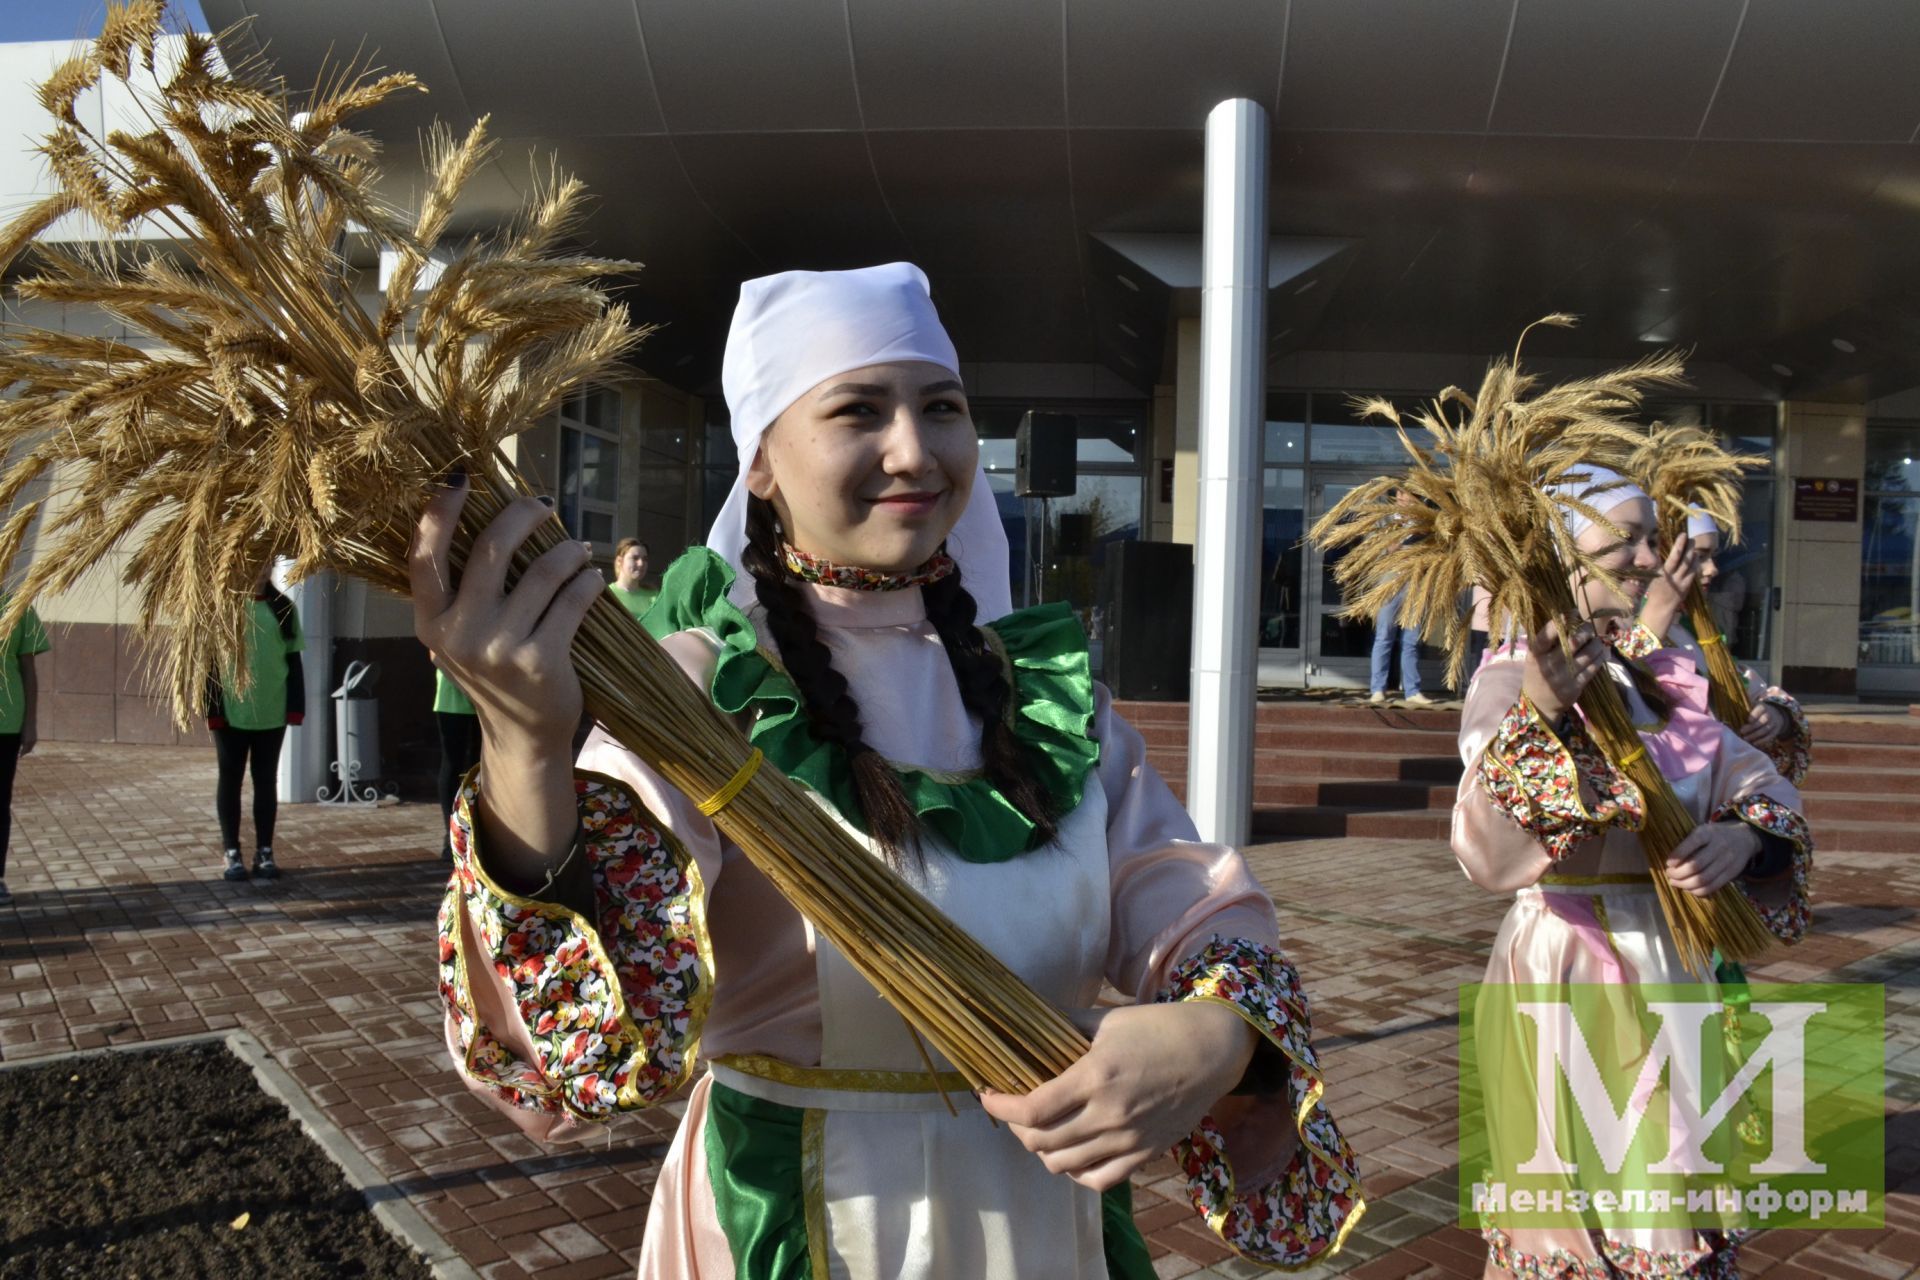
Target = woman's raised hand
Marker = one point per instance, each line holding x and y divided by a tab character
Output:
1554	678
510	651
1667	593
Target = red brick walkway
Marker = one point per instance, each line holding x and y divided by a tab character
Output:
120	933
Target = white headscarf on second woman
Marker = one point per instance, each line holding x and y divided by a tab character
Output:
793	331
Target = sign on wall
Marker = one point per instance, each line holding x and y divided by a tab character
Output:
1824	499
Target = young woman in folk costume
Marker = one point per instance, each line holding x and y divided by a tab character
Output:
1544	815
1777	726
598	930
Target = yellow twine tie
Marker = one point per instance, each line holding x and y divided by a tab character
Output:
1632	757
1719	639
735	785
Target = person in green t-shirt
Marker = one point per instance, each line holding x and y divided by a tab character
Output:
629	571
459	728
19	707
248	728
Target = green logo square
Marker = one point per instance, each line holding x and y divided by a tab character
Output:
1617	1106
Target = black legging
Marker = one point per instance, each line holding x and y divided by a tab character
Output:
9	761
459	752
232	747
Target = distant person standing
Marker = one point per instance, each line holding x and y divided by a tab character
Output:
629	572
248	729
19	708
459	729
1385	629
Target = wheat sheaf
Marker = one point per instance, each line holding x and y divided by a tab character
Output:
270	410
1683	468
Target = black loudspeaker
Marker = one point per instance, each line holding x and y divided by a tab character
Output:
1073	534
1043	455
1146	592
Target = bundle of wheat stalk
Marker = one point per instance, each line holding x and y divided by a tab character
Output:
1482	516
269	409
1683	468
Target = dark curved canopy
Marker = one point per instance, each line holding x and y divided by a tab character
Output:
1737	175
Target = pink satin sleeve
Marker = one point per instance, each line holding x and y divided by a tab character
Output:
1494	850
1172	891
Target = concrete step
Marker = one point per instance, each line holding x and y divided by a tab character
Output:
1830	834
1846	806
1838	834
1326	766
1340	820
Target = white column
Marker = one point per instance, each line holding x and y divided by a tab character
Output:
303	759
1233	383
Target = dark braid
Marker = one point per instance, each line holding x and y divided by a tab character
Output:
829	705
983	687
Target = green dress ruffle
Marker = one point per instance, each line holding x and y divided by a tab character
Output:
1046	653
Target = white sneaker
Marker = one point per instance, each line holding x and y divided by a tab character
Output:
1377	698
1417	700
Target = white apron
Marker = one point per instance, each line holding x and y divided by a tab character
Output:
896	1187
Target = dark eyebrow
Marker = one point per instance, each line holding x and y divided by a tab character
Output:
875	389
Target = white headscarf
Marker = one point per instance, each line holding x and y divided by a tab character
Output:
1599	488
1699	522
793	331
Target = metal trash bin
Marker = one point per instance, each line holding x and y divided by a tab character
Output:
356	726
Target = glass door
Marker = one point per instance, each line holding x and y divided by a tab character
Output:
1337	651
1282	533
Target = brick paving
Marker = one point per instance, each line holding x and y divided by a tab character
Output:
120	933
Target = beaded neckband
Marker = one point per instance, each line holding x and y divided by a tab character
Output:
812	568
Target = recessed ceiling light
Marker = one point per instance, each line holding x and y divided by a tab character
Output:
1123	280
1781	369
1906	462
1841	344
1129	332
1303	288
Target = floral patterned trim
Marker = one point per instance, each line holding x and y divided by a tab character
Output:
1534	777
614	1008
812	568
1792	751
1305	1213
1787	922
1717	1258
1638	643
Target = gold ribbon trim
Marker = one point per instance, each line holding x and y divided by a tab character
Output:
735	785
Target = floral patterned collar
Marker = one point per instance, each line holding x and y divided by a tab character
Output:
851	577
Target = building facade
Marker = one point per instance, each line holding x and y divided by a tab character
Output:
1734	179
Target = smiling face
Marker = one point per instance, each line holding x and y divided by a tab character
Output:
1634	559
871	468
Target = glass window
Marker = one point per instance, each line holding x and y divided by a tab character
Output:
1286	438
1890	580
1282	525
1104	438
1890	546
1747	428
1741	593
1341	433
590	465
1893	457
1104	509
